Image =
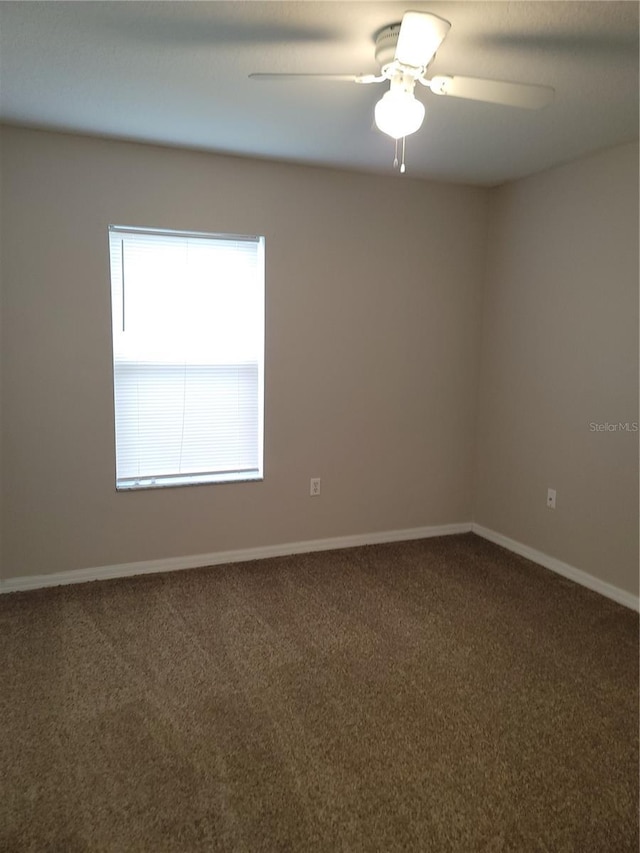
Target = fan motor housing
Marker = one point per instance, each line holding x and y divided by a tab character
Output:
386	42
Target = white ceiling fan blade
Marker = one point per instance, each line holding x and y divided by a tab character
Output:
523	95
421	34
346	78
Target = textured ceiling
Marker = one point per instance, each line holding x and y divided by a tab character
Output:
176	73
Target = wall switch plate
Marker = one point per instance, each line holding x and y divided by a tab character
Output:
314	488
551	498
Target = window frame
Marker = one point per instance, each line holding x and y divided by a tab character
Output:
179	479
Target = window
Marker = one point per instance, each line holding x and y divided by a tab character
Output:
188	357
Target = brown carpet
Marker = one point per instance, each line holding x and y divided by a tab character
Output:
439	695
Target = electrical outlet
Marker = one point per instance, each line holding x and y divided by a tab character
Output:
314	488
551	498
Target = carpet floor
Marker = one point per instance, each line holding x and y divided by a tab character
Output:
436	695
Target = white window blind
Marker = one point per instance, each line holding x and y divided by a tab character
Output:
188	357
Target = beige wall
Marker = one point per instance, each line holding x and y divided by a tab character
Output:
373	300
560	351
375	307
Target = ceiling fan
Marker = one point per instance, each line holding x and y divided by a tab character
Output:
404	52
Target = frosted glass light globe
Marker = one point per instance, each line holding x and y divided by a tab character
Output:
398	113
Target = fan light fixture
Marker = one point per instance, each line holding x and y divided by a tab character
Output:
399	113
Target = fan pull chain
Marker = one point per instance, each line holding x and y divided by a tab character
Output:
395	159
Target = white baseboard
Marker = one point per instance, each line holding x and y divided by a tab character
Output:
195	561
564	569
